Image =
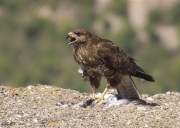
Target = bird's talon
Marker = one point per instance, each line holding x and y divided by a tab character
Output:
101	99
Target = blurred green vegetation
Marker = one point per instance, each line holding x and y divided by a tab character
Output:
33	49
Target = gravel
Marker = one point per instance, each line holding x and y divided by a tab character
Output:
50	106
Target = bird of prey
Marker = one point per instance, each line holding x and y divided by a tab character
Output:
99	57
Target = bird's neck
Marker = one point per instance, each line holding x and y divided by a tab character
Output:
93	40
77	47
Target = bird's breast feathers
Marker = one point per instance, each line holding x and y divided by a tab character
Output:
85	56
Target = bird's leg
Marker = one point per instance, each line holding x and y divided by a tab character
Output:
94	90
101	98
93	96
95	83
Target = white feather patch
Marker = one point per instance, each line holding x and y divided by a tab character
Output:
142	80
80	70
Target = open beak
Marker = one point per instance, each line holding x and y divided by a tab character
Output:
67	37
71	38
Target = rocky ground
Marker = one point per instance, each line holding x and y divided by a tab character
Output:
50	106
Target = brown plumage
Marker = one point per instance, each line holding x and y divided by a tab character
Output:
99	57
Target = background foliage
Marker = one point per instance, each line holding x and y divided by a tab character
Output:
33	49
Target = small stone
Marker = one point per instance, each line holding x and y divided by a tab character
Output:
146	125
149	98
168	92
65	105
141	108
59	104
30	87
35	120
18	115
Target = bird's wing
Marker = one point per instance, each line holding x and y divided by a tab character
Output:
116	58
127	89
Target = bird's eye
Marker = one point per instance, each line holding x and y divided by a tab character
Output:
78	33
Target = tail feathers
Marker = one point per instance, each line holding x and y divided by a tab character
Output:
139	69
127	89
145	76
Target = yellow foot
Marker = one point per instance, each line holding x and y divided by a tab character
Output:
98	98
101	99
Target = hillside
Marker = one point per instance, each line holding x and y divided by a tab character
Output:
50	106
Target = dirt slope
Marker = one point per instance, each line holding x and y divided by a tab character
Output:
49	106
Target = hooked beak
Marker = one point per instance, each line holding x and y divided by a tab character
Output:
67	37
71	38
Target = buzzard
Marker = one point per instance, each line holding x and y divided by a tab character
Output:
99	57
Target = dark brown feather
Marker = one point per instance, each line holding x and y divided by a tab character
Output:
99	57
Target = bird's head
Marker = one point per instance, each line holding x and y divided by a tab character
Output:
77	37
